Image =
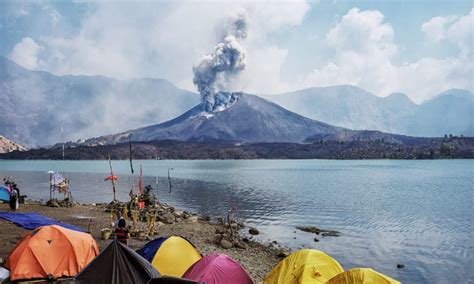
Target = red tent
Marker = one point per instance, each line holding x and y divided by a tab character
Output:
218	269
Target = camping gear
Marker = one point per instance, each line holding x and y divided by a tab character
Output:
117	264
58	183
31	221
171	256
51	252
106	232
171	280
4	274
304	266
4	193
361	276
218	269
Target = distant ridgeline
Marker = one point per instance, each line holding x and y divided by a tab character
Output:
91	106
317	148
245	126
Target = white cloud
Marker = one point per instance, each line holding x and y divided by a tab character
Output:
364	56
362	32
435	29
263	74
26	53
461	32
458	30
165	39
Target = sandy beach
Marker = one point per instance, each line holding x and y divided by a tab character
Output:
258	259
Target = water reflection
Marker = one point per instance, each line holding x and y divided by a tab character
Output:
413	212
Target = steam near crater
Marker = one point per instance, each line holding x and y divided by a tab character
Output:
214	71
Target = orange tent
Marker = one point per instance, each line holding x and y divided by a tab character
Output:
51	252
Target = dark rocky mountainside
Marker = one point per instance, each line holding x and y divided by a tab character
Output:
427	148
248	119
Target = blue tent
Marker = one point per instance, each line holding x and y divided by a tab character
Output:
149	250
4	194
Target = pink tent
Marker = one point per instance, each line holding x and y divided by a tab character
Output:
218	269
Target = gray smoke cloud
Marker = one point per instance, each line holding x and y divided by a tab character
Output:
214	70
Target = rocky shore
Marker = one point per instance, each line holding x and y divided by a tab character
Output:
208	235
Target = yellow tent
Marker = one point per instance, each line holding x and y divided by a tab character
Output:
304	267
362	276
174	256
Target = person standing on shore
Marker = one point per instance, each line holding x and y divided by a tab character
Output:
119	217
121	232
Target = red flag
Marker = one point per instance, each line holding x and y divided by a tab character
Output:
111	177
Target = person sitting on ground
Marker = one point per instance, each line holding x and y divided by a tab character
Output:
121	232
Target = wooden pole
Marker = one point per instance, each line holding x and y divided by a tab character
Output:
156	179
112	178
131	163
50	186
169	179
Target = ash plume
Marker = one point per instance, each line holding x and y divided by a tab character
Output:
214	70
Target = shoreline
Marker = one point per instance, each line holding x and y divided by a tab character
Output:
420	148
257	258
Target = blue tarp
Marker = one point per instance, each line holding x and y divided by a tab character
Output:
149	250
31	221
4	194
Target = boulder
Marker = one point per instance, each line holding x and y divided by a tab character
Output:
283	253
220	230
226	244
253	231
192	219
240	244
217	239
167	218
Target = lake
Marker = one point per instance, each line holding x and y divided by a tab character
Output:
418	213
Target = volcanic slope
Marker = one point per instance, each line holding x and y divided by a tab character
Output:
248	119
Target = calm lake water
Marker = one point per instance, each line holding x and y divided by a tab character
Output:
418	213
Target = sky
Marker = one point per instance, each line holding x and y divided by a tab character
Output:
420	48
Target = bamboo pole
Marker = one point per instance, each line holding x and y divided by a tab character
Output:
112	175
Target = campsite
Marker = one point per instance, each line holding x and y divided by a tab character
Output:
236	142
257	263
189	244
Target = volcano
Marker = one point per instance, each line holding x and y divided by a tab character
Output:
238	118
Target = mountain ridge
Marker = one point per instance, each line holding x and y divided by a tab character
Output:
354	108
36	104
7	145
250	119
